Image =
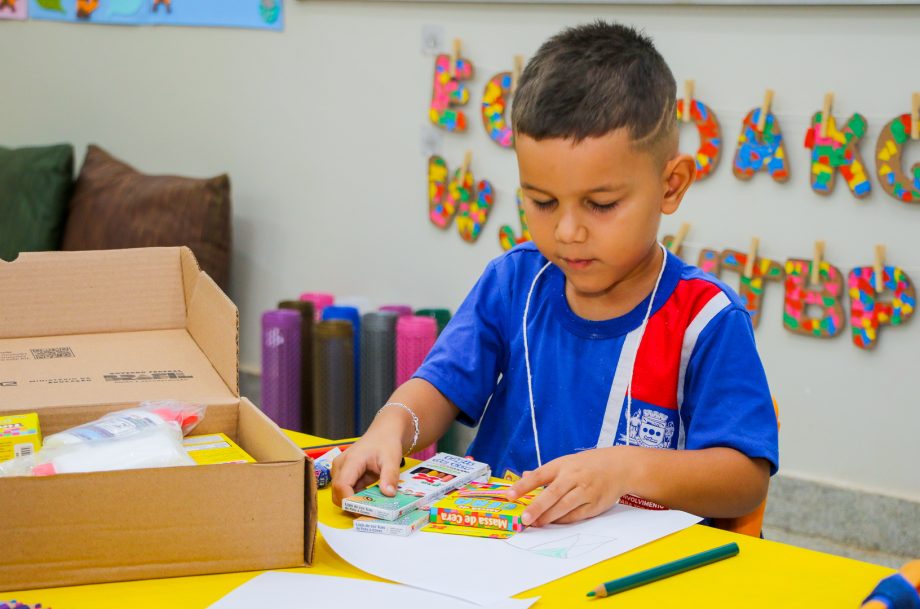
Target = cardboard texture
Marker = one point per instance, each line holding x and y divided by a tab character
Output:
85	333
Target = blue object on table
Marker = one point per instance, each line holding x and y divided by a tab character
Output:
896	593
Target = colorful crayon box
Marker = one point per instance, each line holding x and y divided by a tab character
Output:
213	449
402	526
419	487
20	436
482	505
449	529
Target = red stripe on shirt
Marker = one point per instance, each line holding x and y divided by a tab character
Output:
657	364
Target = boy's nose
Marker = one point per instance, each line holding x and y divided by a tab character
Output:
569	229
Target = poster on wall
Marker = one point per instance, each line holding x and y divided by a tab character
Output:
258	14
13	9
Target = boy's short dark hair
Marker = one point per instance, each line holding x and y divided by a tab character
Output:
590	80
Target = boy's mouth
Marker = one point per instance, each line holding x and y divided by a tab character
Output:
577	264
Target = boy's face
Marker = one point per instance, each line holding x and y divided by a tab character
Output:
593	208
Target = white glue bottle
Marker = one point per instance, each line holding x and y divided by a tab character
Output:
129	422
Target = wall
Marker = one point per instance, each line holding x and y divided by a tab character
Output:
320	129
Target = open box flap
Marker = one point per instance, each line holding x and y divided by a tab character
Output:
56	293
114	326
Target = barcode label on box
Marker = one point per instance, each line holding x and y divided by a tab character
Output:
22	450
52	352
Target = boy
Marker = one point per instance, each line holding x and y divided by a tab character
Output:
583	352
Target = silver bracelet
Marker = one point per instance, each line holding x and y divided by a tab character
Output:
414	422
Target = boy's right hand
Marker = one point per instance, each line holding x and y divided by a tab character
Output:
374	457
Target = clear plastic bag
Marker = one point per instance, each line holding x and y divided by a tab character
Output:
147	436
122	423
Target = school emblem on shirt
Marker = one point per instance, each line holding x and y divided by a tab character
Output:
650	428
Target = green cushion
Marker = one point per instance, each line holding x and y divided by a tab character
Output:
35	186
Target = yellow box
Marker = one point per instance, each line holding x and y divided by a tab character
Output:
215	448
20	435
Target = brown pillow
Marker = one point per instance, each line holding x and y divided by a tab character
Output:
114	206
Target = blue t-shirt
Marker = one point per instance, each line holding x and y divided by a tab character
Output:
697	381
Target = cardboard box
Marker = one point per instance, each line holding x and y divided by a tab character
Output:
85	333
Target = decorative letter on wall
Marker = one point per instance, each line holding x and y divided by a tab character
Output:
751	285
867	313
448	91
438	211
494	103
760	145
474	211
458	197
710	261
888	161
707	155
506	236
802	294
835	150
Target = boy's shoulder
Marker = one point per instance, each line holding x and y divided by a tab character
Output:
522	260
694	287
697	284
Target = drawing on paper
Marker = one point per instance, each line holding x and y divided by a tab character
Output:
566	546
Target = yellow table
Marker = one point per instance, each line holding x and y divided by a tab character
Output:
764	575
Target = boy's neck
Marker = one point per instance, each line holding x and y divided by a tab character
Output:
621	297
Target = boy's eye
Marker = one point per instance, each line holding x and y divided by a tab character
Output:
595	206
544	204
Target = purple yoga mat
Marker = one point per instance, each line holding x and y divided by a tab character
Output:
281	351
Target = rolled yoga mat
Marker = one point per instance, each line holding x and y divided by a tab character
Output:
305	309
442	316
281	367
378	363
333	380
353	316
398	309
415	335
320	301
458	436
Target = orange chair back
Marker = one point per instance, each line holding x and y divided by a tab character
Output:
749	524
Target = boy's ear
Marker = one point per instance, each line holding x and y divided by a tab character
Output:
679	174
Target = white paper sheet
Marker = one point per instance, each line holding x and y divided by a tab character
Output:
280	590
494	569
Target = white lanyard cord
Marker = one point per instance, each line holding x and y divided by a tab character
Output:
533	416
648	314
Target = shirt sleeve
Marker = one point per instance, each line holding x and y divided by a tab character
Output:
466	360
727	401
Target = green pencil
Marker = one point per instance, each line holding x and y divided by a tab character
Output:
665	570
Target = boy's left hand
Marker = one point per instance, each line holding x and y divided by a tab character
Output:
578	486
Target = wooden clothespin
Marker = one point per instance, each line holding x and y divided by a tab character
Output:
765	110
516	72
816	263
467	161
915	117
455	57
689	86
879	268
826	113
751	257
679	238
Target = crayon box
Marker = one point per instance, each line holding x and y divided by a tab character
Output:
419	486
20	436
402	526
483	506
